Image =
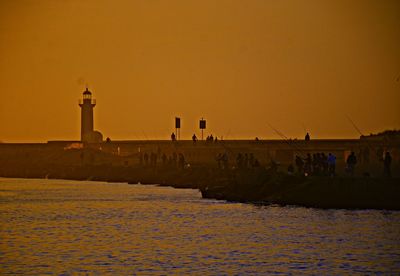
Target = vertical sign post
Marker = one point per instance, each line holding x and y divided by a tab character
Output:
177	127
202	127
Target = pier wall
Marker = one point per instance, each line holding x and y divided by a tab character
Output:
18	157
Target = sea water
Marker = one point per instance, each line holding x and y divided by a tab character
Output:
65	227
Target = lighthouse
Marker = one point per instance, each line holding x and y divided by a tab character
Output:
87	132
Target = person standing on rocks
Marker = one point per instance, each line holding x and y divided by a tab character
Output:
351	163
181	161
387	162
331	164
299	165
308	165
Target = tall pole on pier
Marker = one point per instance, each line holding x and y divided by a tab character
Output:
177	128
202	127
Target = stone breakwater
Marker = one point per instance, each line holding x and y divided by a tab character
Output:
316	192
125	161
245	185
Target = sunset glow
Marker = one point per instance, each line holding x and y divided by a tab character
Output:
239	64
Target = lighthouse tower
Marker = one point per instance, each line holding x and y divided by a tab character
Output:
87	132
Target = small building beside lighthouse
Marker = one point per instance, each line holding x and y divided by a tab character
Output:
88	134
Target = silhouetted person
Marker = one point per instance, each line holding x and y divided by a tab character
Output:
299	164
194	138
331	164
225	161
246	160
251	160
321	161
308	164
153	159
173	137
108	140
219	159
315	169
351	163
324	163
174	158
307	137
387	162
181	161
239	160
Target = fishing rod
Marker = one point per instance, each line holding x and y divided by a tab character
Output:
354	125
359	131
297	150
222	143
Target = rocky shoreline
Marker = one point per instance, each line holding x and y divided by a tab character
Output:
246	185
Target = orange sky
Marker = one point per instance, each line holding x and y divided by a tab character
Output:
239	64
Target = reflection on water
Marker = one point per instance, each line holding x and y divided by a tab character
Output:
69	227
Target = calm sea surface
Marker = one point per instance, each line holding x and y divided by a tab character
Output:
70	227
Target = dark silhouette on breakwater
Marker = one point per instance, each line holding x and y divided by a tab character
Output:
351	163
387	163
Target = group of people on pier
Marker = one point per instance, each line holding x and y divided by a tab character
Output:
351	163
209	138
246	160
317	164
152	159
322	164
243	161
